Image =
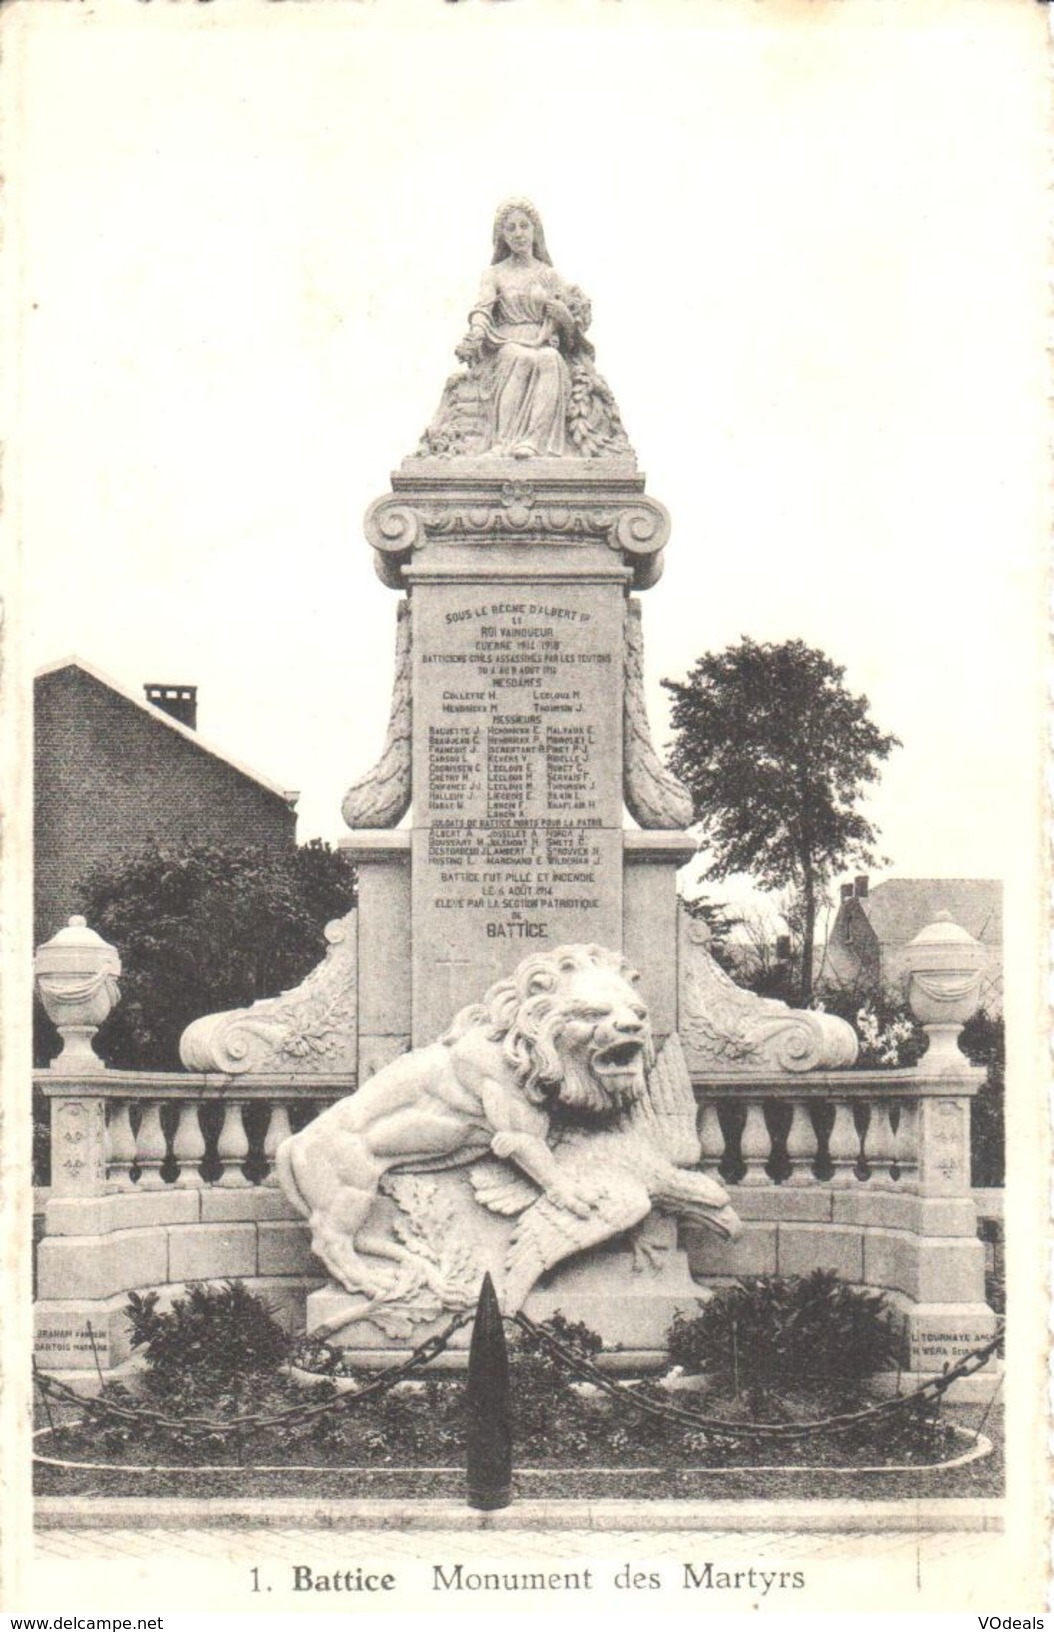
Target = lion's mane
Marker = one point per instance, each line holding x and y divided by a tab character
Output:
525	1012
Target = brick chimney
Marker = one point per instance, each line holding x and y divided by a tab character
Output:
179	701
861	881
847	892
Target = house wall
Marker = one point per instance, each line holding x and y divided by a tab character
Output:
108	777
852	954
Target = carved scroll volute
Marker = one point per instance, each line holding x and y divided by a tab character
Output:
395	530
381	798
653	795
310	1029
726	1028
641	532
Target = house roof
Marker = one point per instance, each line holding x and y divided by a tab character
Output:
899	907
158	714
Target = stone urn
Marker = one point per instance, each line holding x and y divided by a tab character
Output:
76	975
942	973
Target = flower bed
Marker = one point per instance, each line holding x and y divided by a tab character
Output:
221	1406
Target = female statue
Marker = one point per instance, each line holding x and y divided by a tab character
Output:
531	390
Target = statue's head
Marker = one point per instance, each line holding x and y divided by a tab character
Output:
573	1027
510	221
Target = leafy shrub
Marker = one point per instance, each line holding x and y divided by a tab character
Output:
41	1137
212	1341
540	1393
983	1041
774	1331
202	927
889	1034
573	1334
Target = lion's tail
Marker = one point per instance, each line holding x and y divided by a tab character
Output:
285	1172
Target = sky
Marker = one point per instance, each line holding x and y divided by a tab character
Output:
814	242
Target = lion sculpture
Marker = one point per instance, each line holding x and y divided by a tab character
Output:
550	1089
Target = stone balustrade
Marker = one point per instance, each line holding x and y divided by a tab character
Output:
848	1131
135	1131
159	1179
866	1173
163	1178
125	1131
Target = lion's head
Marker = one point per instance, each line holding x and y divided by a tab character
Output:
573	1027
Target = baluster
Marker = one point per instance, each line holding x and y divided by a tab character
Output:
120	1147
906	1145
844	1147
189	1145
711	1137
880	1146
232	1147
151	1148
801	1146
754	1147
277	1129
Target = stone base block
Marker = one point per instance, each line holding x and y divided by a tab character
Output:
286	1296
628	1293
891	1261
893	1210
92	1266
123	1210
65	1331
939	1334
339	1317
63	1343
258	1202
88	1384
927	1270
709	1257
777	1203
630	1305
801	1248
951	1271
285	1249
212	1252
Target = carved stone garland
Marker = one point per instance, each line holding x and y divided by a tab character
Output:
653	795
381	798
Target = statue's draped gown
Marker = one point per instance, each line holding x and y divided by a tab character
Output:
530	383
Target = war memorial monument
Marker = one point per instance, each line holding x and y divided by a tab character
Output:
518	1055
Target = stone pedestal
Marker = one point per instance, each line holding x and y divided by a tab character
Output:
627	1292
939	1334
80	1335
651	916
384	953
517	578
630	1296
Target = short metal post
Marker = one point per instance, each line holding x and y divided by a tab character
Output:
489	1432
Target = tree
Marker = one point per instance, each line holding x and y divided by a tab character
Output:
203	927
983	1041
777	753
